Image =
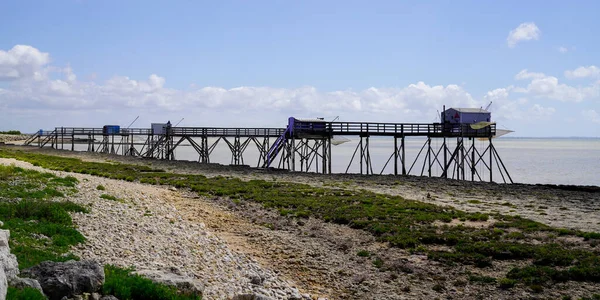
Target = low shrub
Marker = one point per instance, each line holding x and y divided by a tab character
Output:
125	285
481	279
506	283
109	197
13	132
40	229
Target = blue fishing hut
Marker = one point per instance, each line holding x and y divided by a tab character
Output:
465	116
111	129
307	127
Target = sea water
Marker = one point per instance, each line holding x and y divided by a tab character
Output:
573	161
552	160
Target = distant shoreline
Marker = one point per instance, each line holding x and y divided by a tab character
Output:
188	165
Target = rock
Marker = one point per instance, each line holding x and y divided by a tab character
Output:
59	279
9	268
182	283
3	284
8	261
109	297
250	297
21	283
255	279
95	296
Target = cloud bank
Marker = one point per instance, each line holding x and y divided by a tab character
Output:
36	94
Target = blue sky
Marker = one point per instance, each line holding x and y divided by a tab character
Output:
253	63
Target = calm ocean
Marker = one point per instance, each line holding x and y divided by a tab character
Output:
573	161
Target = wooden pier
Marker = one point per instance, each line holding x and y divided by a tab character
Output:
304	146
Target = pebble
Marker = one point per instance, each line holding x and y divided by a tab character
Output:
126	234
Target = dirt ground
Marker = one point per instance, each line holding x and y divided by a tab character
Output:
321	258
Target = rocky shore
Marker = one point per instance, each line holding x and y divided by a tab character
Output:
6	138
144	230
225	249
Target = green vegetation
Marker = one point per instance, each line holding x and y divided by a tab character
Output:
110	197
125	285
24	294
400	222
482	279
378	262
506	283
100	187
10	132
363	253
40	229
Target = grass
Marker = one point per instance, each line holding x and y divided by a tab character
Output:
401	222
110	197
125	285
506	283
24	294
378	262
482	279
14	132
41	229
100	187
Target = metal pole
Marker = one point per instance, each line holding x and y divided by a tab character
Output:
395	155
445	171
473	160
362	154
329	150
293	154
429	155
491	162
403	145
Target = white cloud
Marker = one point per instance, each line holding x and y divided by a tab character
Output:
44	96
591	115
562	49
540	111
524	32
544	86
583	72
22	62
524	74
25	91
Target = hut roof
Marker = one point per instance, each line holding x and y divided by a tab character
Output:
470	110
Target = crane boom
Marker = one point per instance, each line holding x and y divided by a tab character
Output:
488	106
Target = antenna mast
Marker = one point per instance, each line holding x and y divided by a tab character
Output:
133	121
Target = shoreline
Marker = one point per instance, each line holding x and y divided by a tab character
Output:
215	167
565	206
316	257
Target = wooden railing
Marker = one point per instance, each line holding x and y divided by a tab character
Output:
219	132
391	129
